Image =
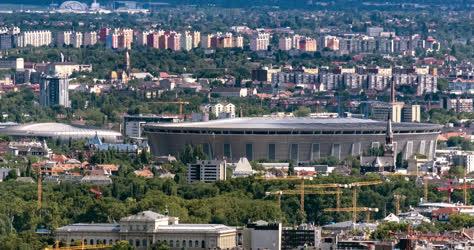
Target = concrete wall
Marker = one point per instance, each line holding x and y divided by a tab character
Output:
173	143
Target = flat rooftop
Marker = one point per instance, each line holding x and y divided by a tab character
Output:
266	123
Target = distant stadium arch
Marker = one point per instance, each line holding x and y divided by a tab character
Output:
73	6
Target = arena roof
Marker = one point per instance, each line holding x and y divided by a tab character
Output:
58	130
261	123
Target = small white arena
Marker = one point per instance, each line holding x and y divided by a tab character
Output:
59	131
73	6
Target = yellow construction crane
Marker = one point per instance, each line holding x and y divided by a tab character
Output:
298	192
354	209
398	197
292	178
180	102
354	186
337	186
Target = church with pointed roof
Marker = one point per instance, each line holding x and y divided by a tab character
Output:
385	163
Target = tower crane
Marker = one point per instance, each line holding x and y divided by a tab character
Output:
398	197
292	178
180	102
450	188
337	186
298	192
355	186
354	209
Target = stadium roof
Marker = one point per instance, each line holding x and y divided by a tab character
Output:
291	123
58	130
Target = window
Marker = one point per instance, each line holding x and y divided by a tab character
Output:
375	144
72	241
144	228
85	241
91	242
271	151
184	243
190	243
227	151
196	244
431	149
409	150
177	243
315	153
336	150
249	151
203	244
171	243
144	243
97	242
207	150
356	149
137	243
111	242
422	148
294	152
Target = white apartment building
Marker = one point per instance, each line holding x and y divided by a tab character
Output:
196	38
285	43
460	105
260	42
207	171
36	38
186	41
206	41
220	110
76	39
142	38
63	38
238	41
262	235
90	38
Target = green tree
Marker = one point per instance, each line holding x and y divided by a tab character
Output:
291	169
12	174
302	111
122	245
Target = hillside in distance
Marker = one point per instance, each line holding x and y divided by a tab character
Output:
343	4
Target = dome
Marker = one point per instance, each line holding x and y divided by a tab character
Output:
73	6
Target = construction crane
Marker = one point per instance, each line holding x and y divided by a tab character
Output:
298	192
337	186
450	188
398	197
354	186
292	178
354	209
179	102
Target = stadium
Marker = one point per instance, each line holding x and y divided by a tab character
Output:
63	132
297	139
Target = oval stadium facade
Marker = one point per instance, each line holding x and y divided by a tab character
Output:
297	139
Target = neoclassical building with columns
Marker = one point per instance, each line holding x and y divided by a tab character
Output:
146	228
